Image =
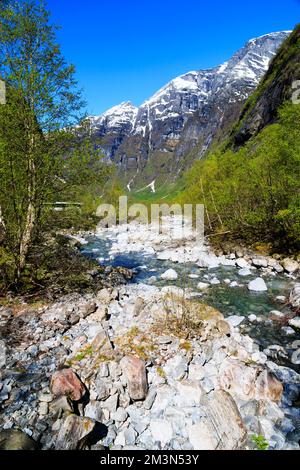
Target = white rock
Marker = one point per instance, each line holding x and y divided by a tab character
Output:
295	322
244	272
234	284
169	275
161	431
252	318
287	330
203	285
242	263
260	262
193	276
290	265
235	320
201	437
259	357
215	281
258	285
277	313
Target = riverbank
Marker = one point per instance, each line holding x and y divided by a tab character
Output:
148	365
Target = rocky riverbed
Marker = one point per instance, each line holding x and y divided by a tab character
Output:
149	365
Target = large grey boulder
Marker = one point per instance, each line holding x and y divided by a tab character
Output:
74	433
14	439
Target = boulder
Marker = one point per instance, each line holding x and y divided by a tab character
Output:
260	262
221	428
65	382
93	410
169	275
74	433
203	285
14	439
257	285
290	265
135	373
295	296
242	263
161	431
268	387
295	322
235	320
244	272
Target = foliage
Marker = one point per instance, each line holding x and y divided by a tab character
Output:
260	442
254	192
42	157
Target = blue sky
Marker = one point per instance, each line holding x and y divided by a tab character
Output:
124	50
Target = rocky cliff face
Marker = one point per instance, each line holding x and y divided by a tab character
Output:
184	117
278	85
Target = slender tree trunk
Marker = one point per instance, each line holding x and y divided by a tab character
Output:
30	217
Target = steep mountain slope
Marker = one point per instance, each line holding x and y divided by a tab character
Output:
184	117
278	85
249	183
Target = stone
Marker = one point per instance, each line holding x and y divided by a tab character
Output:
74	433
14	439
120	415
43	409
45	397
288	331
196	372
2	354
290	265
259	357
65	382
101	314
103	370
215	282
126	437
267	386
169	275
136	378
148	403
233	284
111	403
244	272
258	285
190	393
101	342
252	318
235	320
277	314
203	285
93	410
242	263
138	306
61	404
295	296
176	367
225	420
260	262
161	431
295	322
278	268
202	437
87	309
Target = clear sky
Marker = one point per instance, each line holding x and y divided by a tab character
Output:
125	50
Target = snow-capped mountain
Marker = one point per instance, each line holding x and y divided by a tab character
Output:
184	116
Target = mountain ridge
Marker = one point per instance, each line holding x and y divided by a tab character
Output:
185	115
